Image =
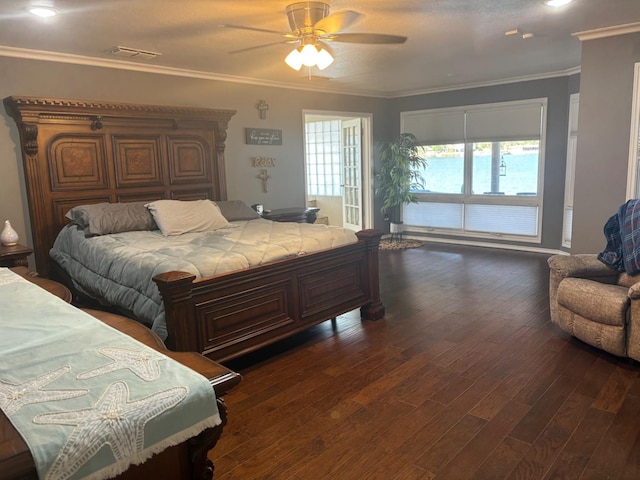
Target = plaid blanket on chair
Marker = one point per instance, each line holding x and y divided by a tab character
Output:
622	232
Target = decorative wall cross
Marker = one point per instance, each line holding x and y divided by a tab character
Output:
264	176
262	109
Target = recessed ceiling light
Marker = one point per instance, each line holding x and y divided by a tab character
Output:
43	12
43	9
557	3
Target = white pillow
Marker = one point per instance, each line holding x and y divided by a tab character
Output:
175	217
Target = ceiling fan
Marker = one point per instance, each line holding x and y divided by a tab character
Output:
312	26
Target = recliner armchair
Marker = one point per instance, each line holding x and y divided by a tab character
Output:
595	303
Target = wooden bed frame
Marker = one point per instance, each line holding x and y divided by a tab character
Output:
81	152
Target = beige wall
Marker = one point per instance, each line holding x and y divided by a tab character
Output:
286	186
604	122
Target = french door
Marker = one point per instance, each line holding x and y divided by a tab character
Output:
352	174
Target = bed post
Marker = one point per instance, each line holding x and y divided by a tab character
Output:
199	447
374	310
175	288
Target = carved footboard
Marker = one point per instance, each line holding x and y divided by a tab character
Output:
232	314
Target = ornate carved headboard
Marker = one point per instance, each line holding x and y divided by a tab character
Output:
80	152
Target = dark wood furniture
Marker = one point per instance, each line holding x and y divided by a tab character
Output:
79	152
14	255
299	215
187	460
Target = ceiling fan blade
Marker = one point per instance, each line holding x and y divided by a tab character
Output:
378	38
254	29
256	47
337	22
324	45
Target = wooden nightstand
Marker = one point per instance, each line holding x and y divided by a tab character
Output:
14	256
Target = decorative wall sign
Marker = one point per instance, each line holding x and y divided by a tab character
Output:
262	162
263	136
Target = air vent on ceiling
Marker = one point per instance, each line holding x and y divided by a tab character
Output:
133	52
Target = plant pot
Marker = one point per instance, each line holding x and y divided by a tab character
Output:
395	228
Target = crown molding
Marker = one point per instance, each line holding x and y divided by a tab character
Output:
47	56
492	83
608	31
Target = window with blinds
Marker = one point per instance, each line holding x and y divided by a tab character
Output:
572	141
484	174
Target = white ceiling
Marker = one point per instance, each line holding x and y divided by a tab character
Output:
451	43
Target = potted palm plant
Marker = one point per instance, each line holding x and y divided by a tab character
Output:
399	176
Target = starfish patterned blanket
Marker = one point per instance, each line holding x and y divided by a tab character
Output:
88	400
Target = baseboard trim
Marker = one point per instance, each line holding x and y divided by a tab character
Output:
473	243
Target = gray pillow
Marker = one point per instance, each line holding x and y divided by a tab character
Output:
105	218
236	210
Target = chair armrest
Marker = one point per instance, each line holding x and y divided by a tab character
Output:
579	266
634	291
582	266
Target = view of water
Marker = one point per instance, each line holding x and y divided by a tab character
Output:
446	174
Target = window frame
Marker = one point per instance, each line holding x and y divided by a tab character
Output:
467	198
570	170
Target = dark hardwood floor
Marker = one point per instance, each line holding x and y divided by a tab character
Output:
465	378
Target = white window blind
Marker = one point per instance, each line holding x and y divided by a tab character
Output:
476	123
505	122
434	215
502	219
437	127
566	228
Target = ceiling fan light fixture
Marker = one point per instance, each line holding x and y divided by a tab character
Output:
309	55
324	59
294	59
